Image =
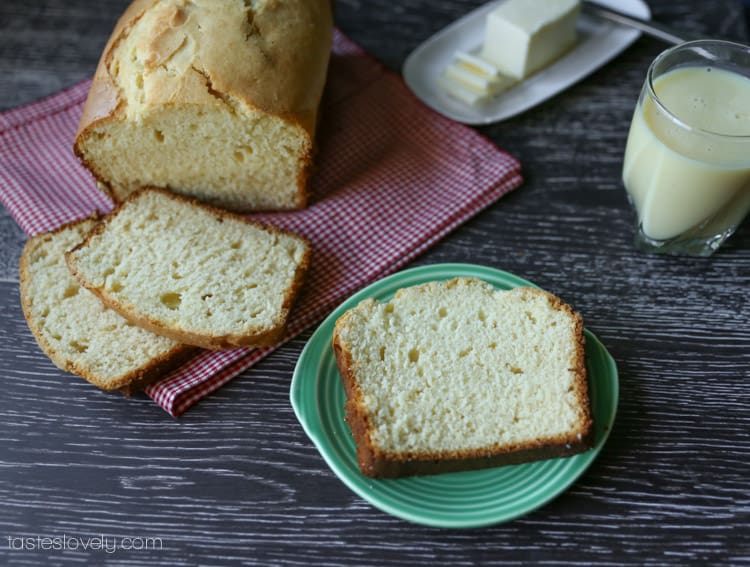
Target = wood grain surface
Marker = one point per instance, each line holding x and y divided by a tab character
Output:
236	481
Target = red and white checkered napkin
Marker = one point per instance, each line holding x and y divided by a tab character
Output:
393	178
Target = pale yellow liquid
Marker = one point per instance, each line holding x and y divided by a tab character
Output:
687	181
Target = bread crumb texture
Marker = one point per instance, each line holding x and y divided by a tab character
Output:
459	366
72	326
185	268
216	100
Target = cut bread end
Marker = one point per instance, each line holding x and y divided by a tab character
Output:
229	166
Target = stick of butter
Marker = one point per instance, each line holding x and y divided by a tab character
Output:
523	36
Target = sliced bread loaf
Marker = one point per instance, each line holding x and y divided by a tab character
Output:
456	375
193	273
77	331
214	100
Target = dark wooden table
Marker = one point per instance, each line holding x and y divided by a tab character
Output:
235	480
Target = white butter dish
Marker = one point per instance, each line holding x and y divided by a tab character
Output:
598	42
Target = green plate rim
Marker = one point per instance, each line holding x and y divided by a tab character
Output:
314	365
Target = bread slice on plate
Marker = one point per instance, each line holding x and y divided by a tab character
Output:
456	375
77	331
214	100
193	273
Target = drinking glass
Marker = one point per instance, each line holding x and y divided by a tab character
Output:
687	160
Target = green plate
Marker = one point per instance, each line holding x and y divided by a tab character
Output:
463	499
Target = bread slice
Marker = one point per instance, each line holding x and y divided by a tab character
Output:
456	375
196	274
213	100
76	331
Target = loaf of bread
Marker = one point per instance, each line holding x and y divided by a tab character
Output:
214	100
456	375
193	273
76	331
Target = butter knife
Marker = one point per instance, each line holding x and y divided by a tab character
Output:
653	29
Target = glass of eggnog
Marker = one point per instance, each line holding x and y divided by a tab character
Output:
687	160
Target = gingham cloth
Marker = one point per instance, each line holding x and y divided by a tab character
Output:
393	178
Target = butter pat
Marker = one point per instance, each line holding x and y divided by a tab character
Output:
472	79
460	92
523	36
477	75
476	64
